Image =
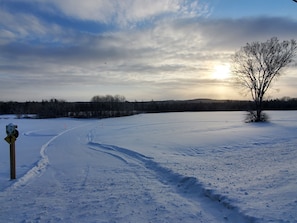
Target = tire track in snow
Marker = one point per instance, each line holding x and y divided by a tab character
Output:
41	164
111	154
188	187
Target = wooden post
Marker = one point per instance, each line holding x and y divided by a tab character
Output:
12	134
12	161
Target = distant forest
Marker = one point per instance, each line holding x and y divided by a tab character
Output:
116	106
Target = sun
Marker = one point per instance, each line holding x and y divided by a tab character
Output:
221	71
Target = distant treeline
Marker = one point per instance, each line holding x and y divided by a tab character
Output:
116	106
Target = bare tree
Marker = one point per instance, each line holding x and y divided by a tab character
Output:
257	65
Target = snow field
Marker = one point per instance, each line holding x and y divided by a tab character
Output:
173	167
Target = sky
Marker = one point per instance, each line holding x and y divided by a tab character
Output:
141	49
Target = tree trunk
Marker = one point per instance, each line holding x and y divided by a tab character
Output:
258	115
258	103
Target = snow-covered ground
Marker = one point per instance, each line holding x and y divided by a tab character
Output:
170	167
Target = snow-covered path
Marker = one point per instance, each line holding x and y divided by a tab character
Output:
183	167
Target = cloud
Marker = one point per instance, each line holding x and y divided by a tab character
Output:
178	41
27	28
229	34
126	13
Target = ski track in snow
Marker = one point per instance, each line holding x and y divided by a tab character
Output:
188	187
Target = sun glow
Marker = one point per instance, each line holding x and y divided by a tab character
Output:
221	71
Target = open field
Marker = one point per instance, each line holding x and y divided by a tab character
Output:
169	167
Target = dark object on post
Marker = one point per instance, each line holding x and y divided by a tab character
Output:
12	134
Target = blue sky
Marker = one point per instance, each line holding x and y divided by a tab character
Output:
141	49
